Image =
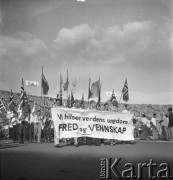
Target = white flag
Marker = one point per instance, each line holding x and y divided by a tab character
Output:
31	83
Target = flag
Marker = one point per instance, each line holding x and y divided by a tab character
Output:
99	97
26	107
45	85
11	104
82	100
21	104
113	99
95	88
89	90
61	83
125	91
72	99
2	105
66	84
33	109
31	83
68	102
74	83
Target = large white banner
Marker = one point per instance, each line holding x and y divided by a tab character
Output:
88	123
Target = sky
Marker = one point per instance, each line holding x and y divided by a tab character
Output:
107	39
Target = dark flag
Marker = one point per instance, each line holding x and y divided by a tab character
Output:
72	99
45	85
113	99
69	102
82	100
26	107
95	88
66	84
89	90
125	91
99	97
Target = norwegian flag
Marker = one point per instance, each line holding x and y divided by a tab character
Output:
125	91
11	104
2	105
22	100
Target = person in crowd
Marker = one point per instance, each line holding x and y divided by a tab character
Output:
56	129
145	128
47	129
22	130
15	122
127	109
170	125
164	126
37	126
154	127
158	125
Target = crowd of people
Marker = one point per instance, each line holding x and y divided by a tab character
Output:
36	127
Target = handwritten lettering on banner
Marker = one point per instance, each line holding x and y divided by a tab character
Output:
97	124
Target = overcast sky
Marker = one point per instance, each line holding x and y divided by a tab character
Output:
110	39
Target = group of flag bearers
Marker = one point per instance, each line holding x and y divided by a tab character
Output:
29	125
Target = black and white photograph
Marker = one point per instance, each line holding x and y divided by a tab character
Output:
86	89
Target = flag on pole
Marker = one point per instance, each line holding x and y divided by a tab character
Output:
72	99
31	83
26	107
99	97
45	85
95	88
125	91
68	102
66	84
21	104
74	83
33	109
113	99
60	91
89	91
11	104
2	105
82	100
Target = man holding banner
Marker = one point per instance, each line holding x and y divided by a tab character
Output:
72	123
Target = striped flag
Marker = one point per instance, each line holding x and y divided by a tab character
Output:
21	104
11	104
2	105
125	91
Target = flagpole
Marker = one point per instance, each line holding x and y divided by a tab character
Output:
41	82
67	84
88	92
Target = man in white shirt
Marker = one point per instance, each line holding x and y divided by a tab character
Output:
164	126
145	128
154	127
37	125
